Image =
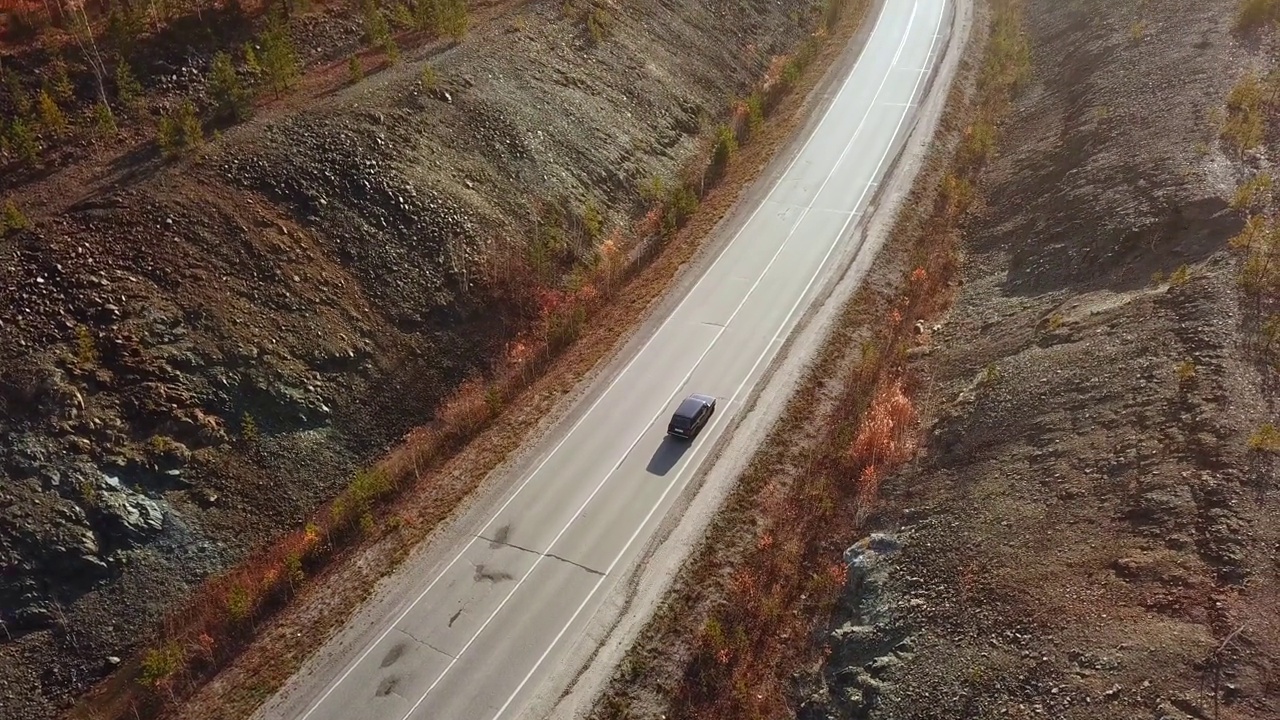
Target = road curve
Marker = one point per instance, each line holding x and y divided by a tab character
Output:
476	637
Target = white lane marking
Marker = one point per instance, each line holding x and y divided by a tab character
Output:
664	407
827	114
716	421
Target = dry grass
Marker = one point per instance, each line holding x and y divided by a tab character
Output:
800	506
228	612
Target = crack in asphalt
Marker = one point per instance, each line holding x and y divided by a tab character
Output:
553	556
426	644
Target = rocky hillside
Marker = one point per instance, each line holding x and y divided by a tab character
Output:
1091	529
195	353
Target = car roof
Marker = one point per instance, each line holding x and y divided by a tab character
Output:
690	405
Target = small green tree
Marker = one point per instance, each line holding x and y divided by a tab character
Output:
123	29
12	218
593	221
62	89
355	73
52	118
726	146
426	16
453	18
252	66
429	79
230	100
128	89
401	17
23	142
159	664
18	96
755	112
279	61
180	130
376	31
392	50
104	122
442	17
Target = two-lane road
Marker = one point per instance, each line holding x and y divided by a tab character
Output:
489	625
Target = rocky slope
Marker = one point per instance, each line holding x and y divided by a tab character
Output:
1087	533
194	355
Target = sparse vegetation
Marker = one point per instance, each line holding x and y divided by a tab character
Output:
599	24
444	17
354	72
179	132
239	603
429	79
1253	194
1180	276
726	145
1243	126
1137	31
52	119
249	429
1265	439
160	664
128	89
230	99
1186	371
376	30
391	50
86	347
279	61
755	112
22	142
593	222
990	374
103	121
12	218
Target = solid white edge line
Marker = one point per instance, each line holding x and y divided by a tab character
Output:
777	335
724	252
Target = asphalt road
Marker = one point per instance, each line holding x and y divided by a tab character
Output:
493	622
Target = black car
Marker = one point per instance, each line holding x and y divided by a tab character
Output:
691	416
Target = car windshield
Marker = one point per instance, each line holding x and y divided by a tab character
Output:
680	422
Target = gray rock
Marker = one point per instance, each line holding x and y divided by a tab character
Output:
133	516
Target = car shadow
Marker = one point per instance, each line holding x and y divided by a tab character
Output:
667	455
